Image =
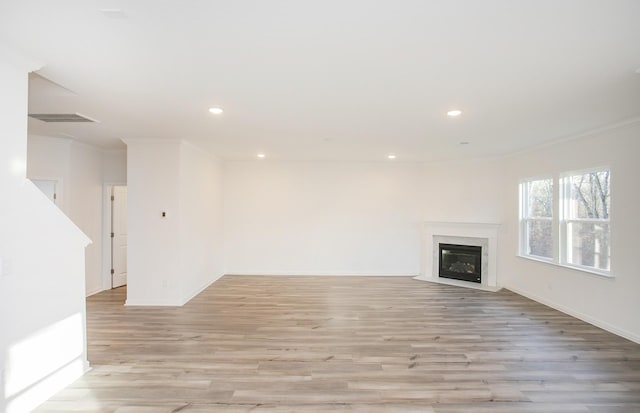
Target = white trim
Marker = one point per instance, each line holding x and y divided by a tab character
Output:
561	241
583	269
524	218
588	319
460	283
204	152
564	219
106	239
155	302
106	233
129	141
200	289
320	274
171	302
90	293
61	199
568	138
537	258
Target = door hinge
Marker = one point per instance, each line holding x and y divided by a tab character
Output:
113	271
113	198
55	196
112	235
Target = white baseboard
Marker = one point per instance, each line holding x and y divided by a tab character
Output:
201	288
154	302
319	274
86	366
89	294
171	302
458	283
584	317
37	393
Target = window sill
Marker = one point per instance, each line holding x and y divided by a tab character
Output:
587	270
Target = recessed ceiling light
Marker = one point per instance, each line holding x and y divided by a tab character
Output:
261	155
464	143
454	113
391	156
216	111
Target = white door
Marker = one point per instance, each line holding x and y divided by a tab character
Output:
118	236
48	187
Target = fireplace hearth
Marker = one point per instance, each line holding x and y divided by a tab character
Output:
460	262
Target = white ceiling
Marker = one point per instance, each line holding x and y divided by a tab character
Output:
331	80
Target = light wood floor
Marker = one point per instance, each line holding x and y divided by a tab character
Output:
348	344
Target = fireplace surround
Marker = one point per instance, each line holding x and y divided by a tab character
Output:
483	235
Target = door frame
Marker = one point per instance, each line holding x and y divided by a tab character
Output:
60	201
106	233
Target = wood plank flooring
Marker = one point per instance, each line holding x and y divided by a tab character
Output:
348	344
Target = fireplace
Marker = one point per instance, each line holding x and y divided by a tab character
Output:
460	262
478	234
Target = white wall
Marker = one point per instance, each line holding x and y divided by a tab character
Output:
364	218
171	258
612	303
346	218
42	307
114	166
153	261
201	228
82	170
50	159
85	202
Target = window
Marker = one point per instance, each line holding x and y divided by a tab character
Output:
585	225
537	218
575	231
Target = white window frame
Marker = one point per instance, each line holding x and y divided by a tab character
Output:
565	220
525	219
561	220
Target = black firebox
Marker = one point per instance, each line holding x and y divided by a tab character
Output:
461	262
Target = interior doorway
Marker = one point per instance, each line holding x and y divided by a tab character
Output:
49	187
118	237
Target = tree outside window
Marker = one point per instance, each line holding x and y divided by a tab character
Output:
538	218
587	209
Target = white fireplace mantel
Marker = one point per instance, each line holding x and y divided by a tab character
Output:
468	233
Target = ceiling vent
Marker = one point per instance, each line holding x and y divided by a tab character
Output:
61	117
